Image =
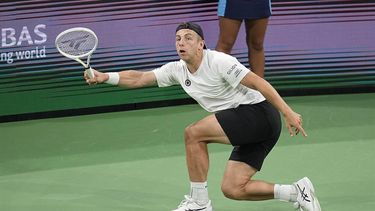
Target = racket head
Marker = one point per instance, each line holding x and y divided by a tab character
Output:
76	43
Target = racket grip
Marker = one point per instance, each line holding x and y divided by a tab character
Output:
90	72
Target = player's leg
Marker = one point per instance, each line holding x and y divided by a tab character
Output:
197	136
255	35
238	183
229	29
244	123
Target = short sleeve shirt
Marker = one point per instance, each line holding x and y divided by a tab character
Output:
215	85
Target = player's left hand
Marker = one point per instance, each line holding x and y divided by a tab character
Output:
293	122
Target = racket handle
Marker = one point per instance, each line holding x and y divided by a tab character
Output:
90	72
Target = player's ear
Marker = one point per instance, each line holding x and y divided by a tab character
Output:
201	44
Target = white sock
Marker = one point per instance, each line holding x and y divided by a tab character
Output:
199	192
285	192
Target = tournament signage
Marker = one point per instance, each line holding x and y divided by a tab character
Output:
25	37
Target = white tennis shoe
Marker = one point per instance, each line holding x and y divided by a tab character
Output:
188	204
306	199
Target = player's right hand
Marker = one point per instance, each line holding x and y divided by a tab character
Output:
98	79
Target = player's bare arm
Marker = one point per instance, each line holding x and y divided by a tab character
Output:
137	79
128	78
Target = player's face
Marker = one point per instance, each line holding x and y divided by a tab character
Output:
188	43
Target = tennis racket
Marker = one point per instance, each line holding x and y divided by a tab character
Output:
78	43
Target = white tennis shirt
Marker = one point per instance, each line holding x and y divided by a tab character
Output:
215	85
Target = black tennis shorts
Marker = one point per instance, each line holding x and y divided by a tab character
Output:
253	130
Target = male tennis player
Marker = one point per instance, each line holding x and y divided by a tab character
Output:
245	114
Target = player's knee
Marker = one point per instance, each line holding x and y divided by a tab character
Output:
230	191
191	134
227	191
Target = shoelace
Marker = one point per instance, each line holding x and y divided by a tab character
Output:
186	201
304	195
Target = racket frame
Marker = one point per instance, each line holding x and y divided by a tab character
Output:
89	71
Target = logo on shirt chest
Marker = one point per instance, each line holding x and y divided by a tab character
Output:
187	82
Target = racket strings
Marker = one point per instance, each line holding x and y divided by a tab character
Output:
77	43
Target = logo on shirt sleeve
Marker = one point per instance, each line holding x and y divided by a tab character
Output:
231	69
236	70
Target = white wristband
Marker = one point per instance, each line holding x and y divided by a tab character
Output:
113	78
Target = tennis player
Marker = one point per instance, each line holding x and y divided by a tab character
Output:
254	14
245	113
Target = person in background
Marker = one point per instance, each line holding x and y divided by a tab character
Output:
255	14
